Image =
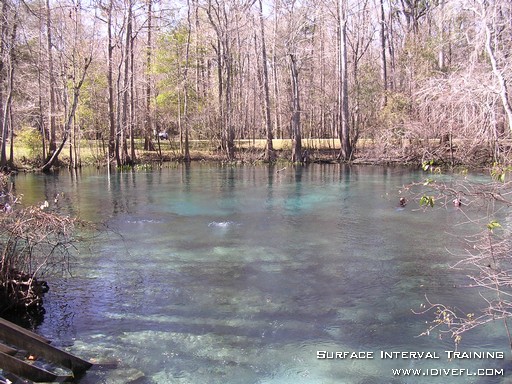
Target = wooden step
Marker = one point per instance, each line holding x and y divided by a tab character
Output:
29	371
34	344
18	329
7	350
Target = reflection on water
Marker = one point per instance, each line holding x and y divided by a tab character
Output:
240	275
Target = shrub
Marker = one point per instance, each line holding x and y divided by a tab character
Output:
31	139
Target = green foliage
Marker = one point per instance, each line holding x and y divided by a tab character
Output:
125	168
31	139
430	166
169	68
167	99
396	111
92	111
493	225
427	201
421	56
144	167
498	172
135	168
170	60
398	105
363	94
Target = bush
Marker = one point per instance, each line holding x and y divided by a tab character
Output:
34	242
31	139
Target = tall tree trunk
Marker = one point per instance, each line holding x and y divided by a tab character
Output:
180	119
441	58
269	148
40	117
343	110
6	113
323	130
219	17
132	103
148	127
186	154
110	84
74	155
11	131
220	95
229	128
497	71
277	96
3	44
383	61
296	131
390	38
126	88
199	64
51	85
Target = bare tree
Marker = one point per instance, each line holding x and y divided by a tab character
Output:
383	61
52	110
148	132
269	149
295	119
3	38
110	81
7	43
220	16
490	18
343	107
186	154
124	123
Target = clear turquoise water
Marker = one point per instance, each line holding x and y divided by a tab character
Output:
214	274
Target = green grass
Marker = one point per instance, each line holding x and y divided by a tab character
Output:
286	144
93	151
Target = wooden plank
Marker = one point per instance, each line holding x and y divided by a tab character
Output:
40	348
28	371
17	328
8	350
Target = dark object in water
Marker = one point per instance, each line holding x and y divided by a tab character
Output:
403	202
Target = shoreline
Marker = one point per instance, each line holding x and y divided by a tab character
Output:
366	156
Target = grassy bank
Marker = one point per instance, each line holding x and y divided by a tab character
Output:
367	151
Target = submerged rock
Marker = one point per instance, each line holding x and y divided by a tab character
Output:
126	376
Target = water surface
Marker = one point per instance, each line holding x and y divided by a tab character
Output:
212	274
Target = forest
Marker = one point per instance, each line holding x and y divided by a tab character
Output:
400	80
